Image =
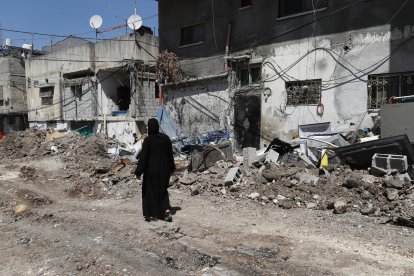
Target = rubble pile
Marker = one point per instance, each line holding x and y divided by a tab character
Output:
281	175
22	144
287	186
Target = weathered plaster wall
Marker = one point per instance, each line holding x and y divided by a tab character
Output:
14	85
200	107
75	108
345	97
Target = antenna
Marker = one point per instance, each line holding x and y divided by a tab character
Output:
134	21
95	22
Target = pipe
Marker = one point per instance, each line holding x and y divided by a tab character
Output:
228	41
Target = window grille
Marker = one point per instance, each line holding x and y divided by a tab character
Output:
303	92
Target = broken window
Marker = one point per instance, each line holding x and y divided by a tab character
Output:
123	98
77	91
192	34
289	7
250	75
46	95
246	3
382	87
303	92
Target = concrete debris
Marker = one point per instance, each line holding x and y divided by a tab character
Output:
383	164
234	176
89	171
253	195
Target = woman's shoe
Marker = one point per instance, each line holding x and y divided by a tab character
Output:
168	216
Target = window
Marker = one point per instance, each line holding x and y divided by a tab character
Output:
77	91
303	92
246	3
382	87
193	34
291	7
250	75
46	95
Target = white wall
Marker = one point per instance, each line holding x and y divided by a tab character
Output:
346	98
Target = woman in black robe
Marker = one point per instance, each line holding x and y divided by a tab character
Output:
156	162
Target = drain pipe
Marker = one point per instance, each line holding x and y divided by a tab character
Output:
227	51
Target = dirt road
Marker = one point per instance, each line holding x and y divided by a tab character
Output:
60	234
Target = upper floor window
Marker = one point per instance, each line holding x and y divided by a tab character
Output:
250	75
303	92
193	34
46	95
292	7
382	87
245	3
77	91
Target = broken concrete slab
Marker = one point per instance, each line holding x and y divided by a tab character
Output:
205	156
391	194
249	156
272	156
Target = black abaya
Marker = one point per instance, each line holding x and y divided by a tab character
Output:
156	163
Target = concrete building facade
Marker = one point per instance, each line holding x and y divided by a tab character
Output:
13	107
107	87
288	63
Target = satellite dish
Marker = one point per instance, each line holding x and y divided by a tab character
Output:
134	22
96	21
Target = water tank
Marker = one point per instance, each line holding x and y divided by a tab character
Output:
27	46
9	42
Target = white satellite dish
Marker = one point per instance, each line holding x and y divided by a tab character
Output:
96	21
134	22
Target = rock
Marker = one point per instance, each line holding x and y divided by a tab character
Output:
195	190
216	169
366	195
280	197
371	179
404	177
185	180
223	191
368	211
391	194
21	208
394	183
340	206
352	183
265	199
253	195
307	178
275	201
235	188
311	205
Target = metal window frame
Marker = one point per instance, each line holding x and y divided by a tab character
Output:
303	100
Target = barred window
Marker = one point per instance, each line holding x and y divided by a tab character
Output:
303	92
382	87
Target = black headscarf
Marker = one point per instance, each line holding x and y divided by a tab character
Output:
153	126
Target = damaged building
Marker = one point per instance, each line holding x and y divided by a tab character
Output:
105	87
298	63
13	107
